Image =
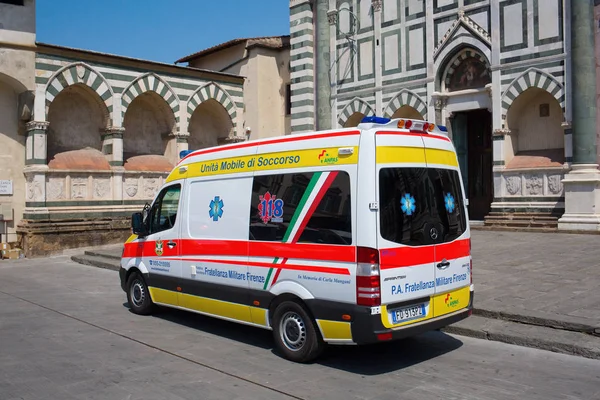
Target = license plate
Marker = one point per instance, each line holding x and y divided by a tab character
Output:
407	313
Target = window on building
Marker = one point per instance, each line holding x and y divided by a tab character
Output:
283	209
14	2
288	99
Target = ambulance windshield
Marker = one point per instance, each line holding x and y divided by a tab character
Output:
421	206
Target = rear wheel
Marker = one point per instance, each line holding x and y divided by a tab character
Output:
138	295
295	333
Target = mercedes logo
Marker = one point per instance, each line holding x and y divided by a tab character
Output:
433	233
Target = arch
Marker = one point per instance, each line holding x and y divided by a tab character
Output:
210	125
356	105
455	47
150	82
214	91
533	77
83	74
454	62
406	97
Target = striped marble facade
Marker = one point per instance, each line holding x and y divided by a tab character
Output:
302	66
389	54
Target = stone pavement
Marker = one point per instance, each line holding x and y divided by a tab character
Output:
547	278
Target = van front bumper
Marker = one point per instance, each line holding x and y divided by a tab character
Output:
367	328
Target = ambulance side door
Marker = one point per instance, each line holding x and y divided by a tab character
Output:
162	245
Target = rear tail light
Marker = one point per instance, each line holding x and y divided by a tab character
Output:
368	289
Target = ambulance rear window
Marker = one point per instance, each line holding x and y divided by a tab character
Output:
420	206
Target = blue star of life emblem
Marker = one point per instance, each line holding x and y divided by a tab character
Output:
408	204
216	208
449	203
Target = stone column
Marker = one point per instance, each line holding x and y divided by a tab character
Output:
376	4
568	131
332	17
439	104
112	145
322	59
182	144
36	148
582	184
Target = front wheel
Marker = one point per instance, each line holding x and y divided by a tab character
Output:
295	333
138	295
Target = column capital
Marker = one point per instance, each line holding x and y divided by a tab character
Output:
113	132
440	101
502	132
37	126
376	4
332	17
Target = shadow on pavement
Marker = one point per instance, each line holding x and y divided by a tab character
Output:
372	359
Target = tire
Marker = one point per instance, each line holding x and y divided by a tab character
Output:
295	333
138	295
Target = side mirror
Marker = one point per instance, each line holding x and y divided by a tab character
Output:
137	224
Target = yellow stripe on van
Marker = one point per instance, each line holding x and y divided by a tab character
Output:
441	157
163	296
335	330
400	154
131	238
266	162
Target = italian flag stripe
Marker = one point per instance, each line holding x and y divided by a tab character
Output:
316	189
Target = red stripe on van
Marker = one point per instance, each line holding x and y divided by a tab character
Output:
407	256
453	250
266	142
307	251
242	248
413	134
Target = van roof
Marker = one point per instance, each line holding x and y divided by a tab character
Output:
366	123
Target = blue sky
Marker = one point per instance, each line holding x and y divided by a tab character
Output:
158	30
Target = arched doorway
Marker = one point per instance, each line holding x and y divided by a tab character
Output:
537	139
77	118
407	112
354	120
149	123
463	81
210	125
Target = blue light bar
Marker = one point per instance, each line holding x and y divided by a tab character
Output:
184	153
375	120
442	128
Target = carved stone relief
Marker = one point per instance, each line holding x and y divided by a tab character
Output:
534	184
56	189
131	186
101	188
150	187
513	185
555	184
79	188
34	188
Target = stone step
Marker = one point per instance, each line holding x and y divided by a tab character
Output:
97	261
523	223
113	255
539	337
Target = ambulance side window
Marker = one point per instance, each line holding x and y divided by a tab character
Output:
164	210
283	208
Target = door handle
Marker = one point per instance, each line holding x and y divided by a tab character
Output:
444	264
171	244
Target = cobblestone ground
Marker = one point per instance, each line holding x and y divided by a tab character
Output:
547	275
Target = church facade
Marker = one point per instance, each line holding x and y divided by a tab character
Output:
497	73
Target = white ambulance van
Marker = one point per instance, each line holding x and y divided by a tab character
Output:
348	236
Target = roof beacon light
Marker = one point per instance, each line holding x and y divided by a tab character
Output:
184	153
375	120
